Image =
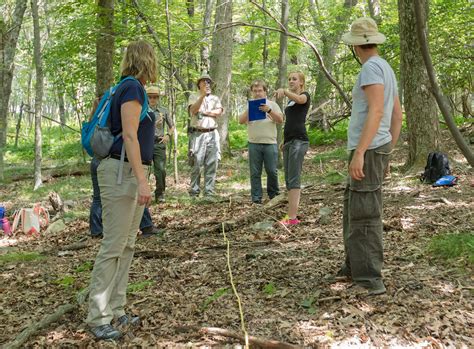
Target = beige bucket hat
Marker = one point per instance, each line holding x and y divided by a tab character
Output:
203	76
152	90
363	31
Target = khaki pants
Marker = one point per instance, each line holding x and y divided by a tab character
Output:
121	217
362	221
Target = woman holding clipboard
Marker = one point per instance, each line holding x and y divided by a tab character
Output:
295	142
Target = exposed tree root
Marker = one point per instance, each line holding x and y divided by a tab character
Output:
21	339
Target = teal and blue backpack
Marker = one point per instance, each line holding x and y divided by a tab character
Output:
96	136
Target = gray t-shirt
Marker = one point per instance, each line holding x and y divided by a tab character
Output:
375	71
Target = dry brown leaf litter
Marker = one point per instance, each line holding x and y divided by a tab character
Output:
428	304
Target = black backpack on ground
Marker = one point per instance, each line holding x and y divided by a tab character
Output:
436	167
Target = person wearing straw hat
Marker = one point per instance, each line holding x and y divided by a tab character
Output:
162	117
204	109
374	128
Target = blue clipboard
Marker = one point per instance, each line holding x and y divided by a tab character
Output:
254	113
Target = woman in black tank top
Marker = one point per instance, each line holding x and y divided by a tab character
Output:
295	140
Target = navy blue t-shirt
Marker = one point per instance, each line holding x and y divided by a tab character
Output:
295	120
131	90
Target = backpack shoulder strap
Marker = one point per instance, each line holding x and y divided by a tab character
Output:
144	111
143	114
431	157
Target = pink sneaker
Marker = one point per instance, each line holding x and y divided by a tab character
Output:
288	222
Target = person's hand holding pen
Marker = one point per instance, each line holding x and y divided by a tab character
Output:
265	108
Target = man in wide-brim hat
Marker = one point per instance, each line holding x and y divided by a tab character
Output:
204	77
374	128
204	109
164	129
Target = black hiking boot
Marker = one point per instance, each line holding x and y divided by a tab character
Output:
106	332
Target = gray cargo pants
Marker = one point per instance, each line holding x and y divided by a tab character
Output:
362	221
205	152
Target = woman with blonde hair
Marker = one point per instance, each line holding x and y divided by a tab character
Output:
295	142
123	204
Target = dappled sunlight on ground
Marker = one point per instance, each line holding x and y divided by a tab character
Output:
7	241
408	223
285	277
446	287
340	286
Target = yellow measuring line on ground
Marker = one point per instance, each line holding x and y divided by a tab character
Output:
242	321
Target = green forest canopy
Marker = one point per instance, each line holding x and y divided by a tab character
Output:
69	34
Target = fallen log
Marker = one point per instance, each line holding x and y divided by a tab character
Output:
254	342
85	242
161	254
21	339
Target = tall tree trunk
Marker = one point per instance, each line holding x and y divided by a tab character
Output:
38	93
421	33
221	66
282	69
466	104
206	23
251	40
420	106
157	41
172	93
190	8
18	124
62	109
190	64
265	43
330	41
105	46
374	10
29	95
8	39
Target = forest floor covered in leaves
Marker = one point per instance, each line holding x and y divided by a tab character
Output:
180	285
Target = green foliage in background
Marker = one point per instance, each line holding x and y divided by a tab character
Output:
336	154
338	133
60	145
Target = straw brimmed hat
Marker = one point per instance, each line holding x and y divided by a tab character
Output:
152	90
363	31
203	77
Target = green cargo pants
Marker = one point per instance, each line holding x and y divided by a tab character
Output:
159	166
362	221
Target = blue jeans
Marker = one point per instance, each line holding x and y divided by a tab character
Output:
267	155
95	214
